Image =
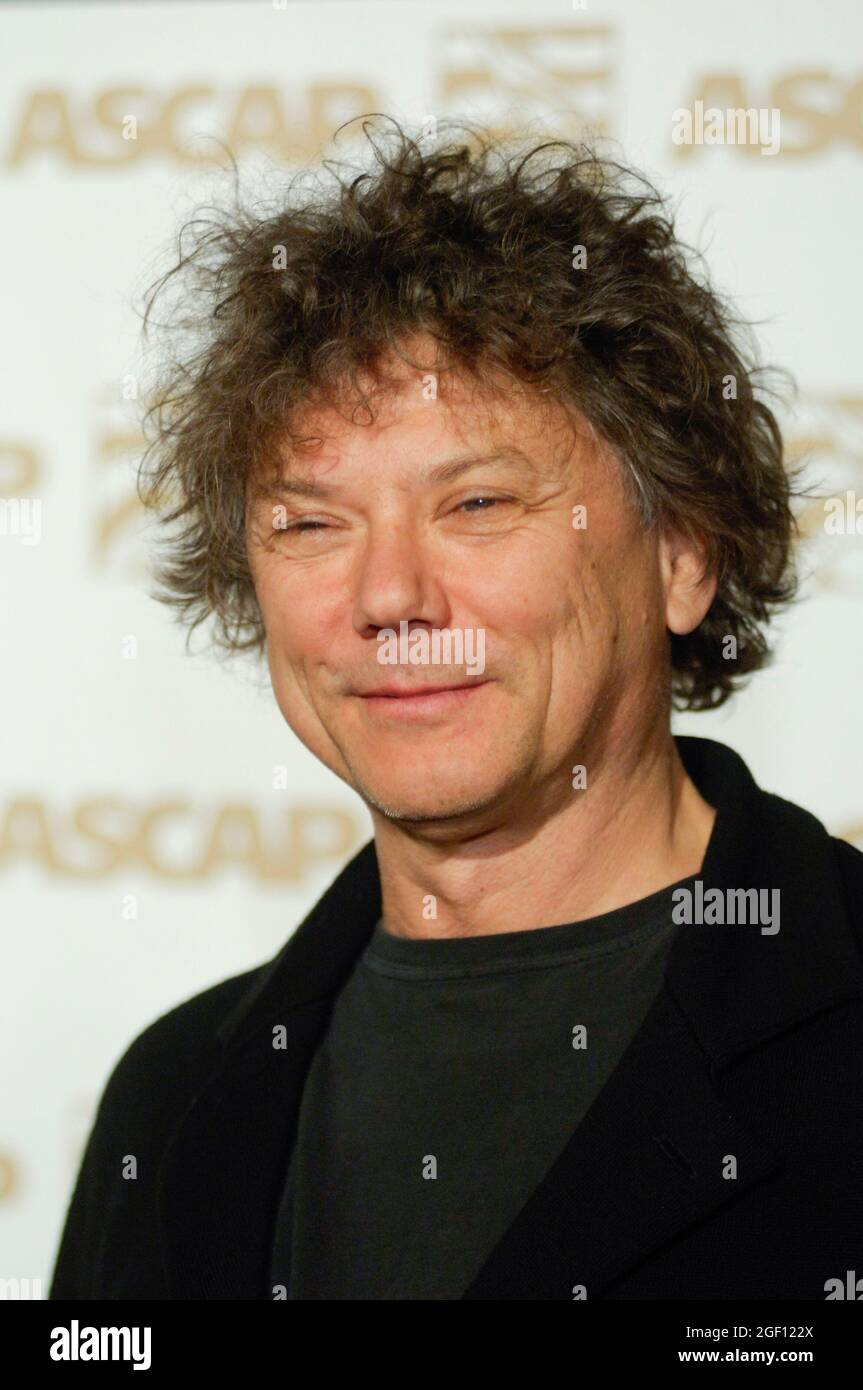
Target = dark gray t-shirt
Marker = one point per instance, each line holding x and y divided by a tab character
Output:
452	1074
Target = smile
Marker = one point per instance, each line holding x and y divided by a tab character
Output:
420	701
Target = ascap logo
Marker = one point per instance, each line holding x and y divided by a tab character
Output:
123	125
10	1176
548	70
818	109
119	515
175	840
560	73
503	74
20	468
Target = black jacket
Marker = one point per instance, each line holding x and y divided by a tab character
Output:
752	1049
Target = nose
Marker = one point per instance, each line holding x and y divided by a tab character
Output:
396	582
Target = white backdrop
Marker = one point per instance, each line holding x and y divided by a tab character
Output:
145	852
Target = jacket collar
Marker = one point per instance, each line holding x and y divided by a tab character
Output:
727	989
739	986
760	841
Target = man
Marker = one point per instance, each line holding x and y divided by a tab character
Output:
583	1020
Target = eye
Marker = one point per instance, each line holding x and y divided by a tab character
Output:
483	503
302	535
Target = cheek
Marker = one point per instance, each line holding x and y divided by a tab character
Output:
294	617
515	597
560	583
589	600
588	637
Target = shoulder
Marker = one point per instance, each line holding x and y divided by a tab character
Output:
168	1062
151	1086
803	837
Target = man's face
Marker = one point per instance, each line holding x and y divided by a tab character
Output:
456	512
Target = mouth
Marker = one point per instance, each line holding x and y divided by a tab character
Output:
420	700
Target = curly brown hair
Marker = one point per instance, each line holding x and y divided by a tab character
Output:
469	240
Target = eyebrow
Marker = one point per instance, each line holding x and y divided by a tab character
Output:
447	471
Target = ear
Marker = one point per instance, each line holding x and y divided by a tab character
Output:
688	582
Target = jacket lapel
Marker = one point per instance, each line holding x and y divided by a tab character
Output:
646	1161
219	1181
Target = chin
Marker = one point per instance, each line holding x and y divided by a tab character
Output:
435	804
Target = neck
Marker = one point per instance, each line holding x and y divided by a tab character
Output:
641	826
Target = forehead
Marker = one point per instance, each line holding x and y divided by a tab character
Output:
410	416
